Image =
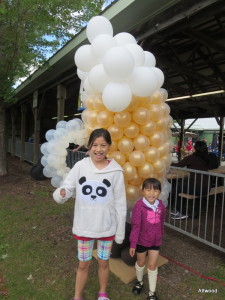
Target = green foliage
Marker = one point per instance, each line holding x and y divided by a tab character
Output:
31	28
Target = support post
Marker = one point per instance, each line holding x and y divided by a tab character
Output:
61	96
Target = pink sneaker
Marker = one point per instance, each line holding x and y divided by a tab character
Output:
103	296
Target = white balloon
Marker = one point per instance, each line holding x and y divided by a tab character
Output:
118	63
84	59
60	132
56	180
137	52
44	160
89	88
49	171
124	38
98	78
50	134
116	96
52	145
74	124
61	124
150	60
44	149
82	75
143	81
98	25
159	75
101	44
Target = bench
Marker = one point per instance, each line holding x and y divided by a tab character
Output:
213	191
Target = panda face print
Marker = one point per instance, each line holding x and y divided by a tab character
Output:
94	192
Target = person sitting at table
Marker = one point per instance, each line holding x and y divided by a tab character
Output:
196	184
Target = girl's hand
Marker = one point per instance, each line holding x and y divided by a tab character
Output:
63	193
132	252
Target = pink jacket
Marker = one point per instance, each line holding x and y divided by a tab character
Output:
147	225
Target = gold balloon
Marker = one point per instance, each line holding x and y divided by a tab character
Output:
137	158
89	103
149	128
157	139
115	132
165	109
122	119
118	156
113	146
132	192
98	104
105	118
141	115
91	117
132	130
125	145
156	112
136	180
133	104
157	98
163	150
146	170
151	154
162	124
129	171
141	142
145	102
159	166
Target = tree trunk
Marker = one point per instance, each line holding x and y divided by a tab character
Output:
3	163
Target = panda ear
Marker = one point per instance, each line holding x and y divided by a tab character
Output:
82	180
106	182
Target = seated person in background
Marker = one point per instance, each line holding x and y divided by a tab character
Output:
196	184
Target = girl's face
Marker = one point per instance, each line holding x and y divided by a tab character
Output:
150	194
99	149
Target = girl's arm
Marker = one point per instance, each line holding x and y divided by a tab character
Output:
120	207
136	224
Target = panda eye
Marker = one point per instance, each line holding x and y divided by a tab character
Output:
87	189
101	192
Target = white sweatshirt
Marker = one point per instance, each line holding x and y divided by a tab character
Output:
100	207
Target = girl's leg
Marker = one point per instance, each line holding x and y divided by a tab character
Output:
85	249
104	250
152	270
139	266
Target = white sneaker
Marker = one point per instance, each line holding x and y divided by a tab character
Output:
174	212
179	216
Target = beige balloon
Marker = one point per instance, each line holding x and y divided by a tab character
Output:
156	112
137	158
157	139
149	128
122	119
125	145
141	115
151	154
129	171
145	102
98	104
159	166
118	156
133	104
146	170
141	142
115	132
105	118
132	130
133	192
136	180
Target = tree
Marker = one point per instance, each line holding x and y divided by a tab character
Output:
29	29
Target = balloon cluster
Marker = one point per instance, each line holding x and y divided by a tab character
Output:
54	150
124	95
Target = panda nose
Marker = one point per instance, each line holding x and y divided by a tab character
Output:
93	197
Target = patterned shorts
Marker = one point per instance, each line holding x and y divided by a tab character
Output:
85	249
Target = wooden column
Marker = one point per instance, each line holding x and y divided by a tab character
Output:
13	132
181	123
36	127
22	133
61	96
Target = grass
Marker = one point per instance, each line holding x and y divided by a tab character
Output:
38	255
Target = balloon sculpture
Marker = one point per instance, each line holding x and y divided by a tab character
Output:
123	94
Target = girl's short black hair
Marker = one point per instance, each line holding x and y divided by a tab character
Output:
152	183
98	133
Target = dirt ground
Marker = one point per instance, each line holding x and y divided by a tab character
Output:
175	281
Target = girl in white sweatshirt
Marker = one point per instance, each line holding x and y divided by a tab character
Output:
100	208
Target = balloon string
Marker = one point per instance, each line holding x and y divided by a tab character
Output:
193	271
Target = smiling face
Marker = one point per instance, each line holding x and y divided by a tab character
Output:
150	194
99	150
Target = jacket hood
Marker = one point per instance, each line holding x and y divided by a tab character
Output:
112	166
